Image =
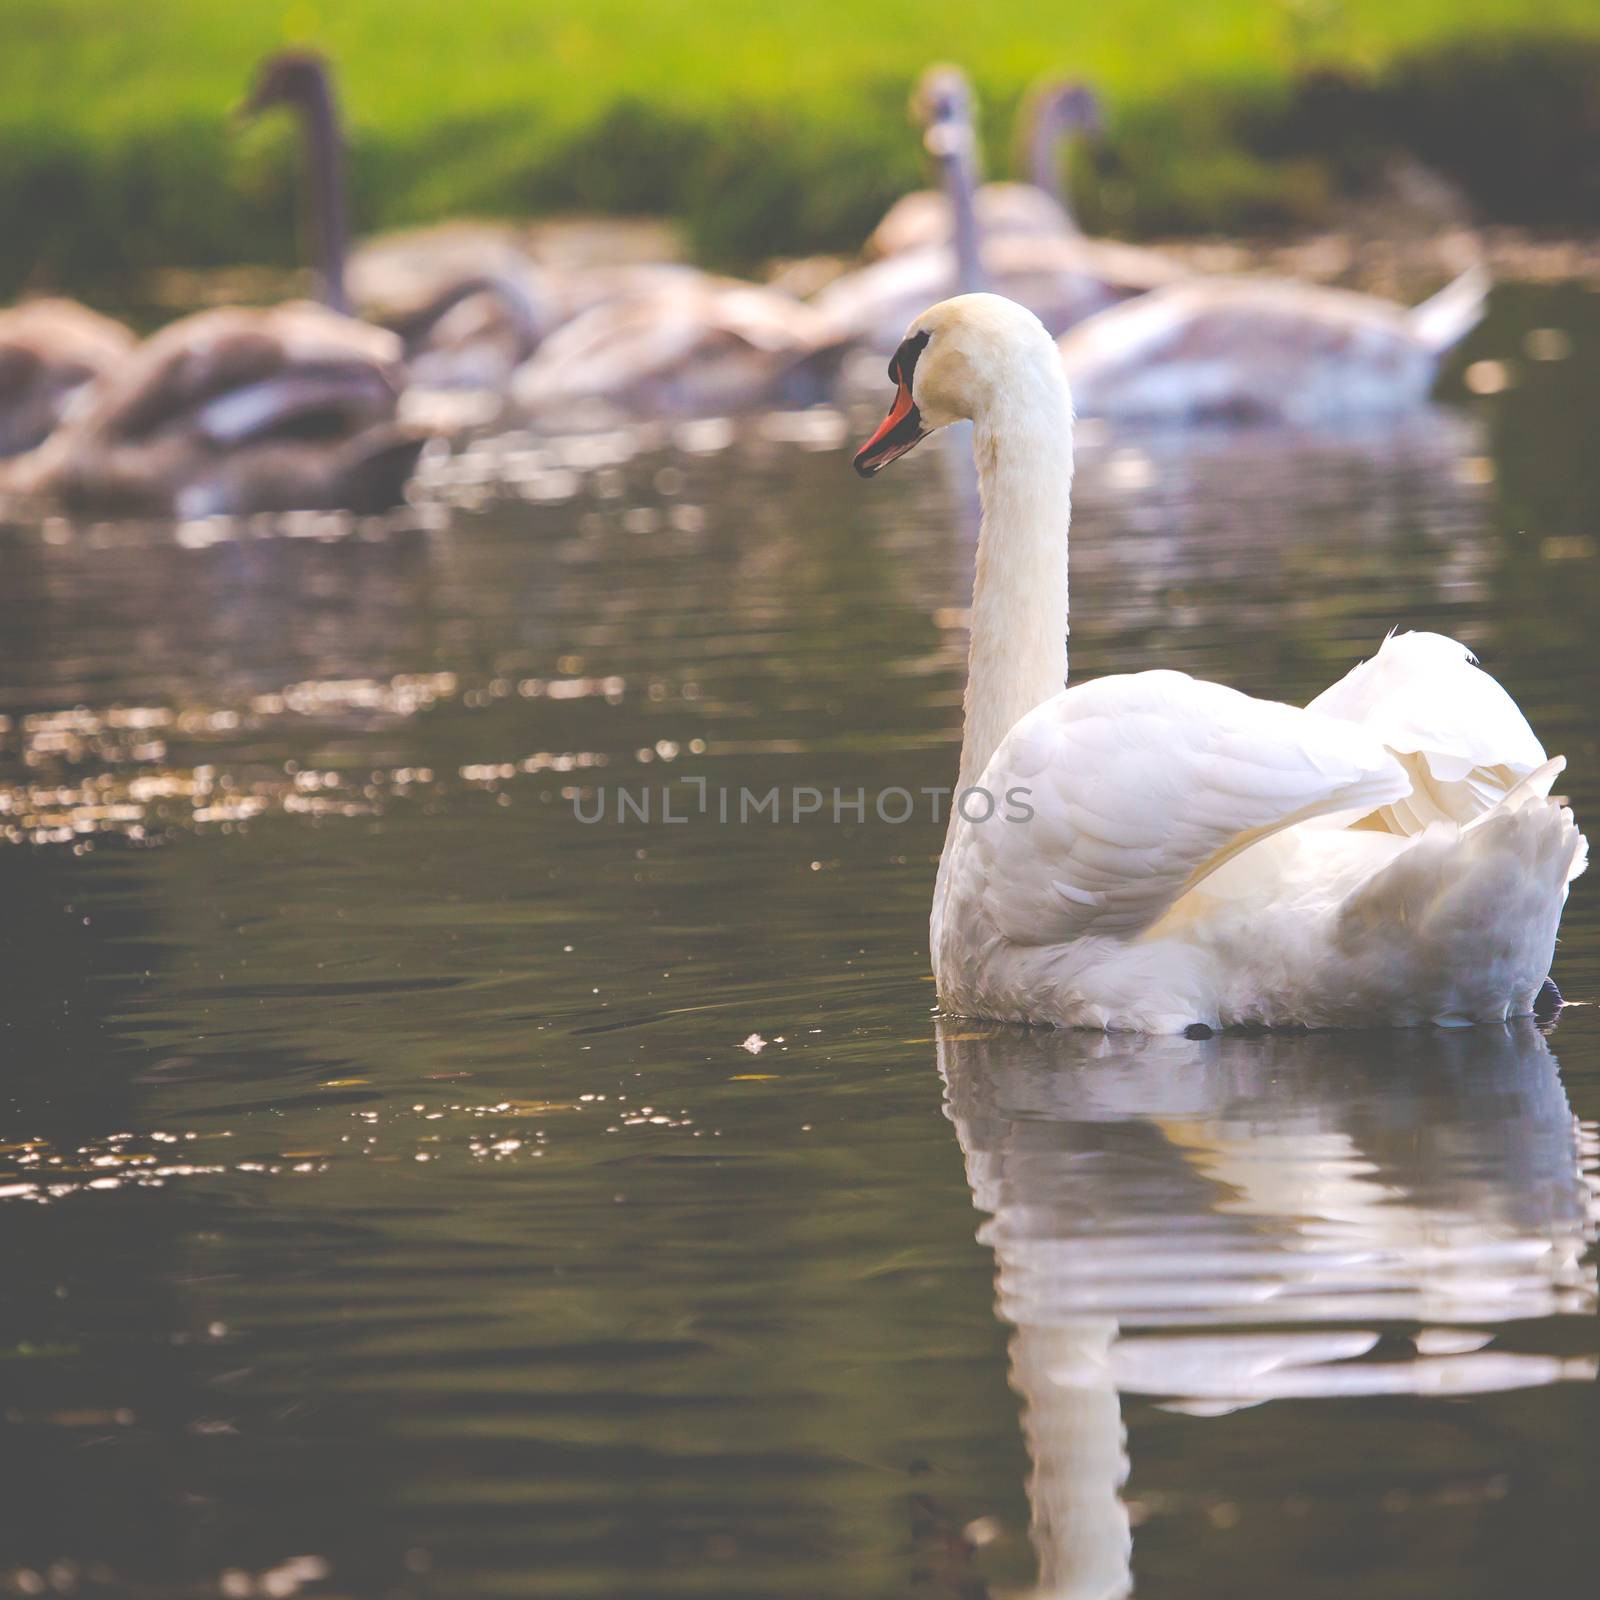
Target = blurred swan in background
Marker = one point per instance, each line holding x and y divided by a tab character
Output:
697	343
1221	1223
1054	113
473	304
1191	856
1055	271
475	310
234	411
239	410
468	304
465	300
51	353
1248	349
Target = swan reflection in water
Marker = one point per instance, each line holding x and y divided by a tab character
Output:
1146	1199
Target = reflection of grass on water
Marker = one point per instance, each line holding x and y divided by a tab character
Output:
769	129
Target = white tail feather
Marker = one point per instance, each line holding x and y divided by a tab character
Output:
1443	321
1535	786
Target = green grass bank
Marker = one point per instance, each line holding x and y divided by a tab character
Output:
769	130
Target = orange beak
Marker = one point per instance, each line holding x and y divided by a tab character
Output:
900	431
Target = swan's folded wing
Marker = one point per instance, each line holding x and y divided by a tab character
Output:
1140	786
1459	735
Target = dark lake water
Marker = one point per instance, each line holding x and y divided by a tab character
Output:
408	1189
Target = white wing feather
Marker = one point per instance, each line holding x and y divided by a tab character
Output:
1140	786
1459	735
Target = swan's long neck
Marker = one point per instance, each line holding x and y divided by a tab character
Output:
954	143
324	156
961	179
1046	132
1018	653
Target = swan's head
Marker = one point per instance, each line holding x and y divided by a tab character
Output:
289	78
1056	109
942	103
1073	108
967	359
942	94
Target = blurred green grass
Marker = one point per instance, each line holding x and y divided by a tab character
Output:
769	130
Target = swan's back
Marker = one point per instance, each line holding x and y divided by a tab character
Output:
50	350
397	277
682	343
237	410
1244	348
63	330
924	218
1388	855
1061	278
178	371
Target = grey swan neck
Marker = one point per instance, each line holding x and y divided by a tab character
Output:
322	137
1048	132
961	185
951	140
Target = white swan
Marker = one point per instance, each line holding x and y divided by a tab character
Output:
1185	855
1263	349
